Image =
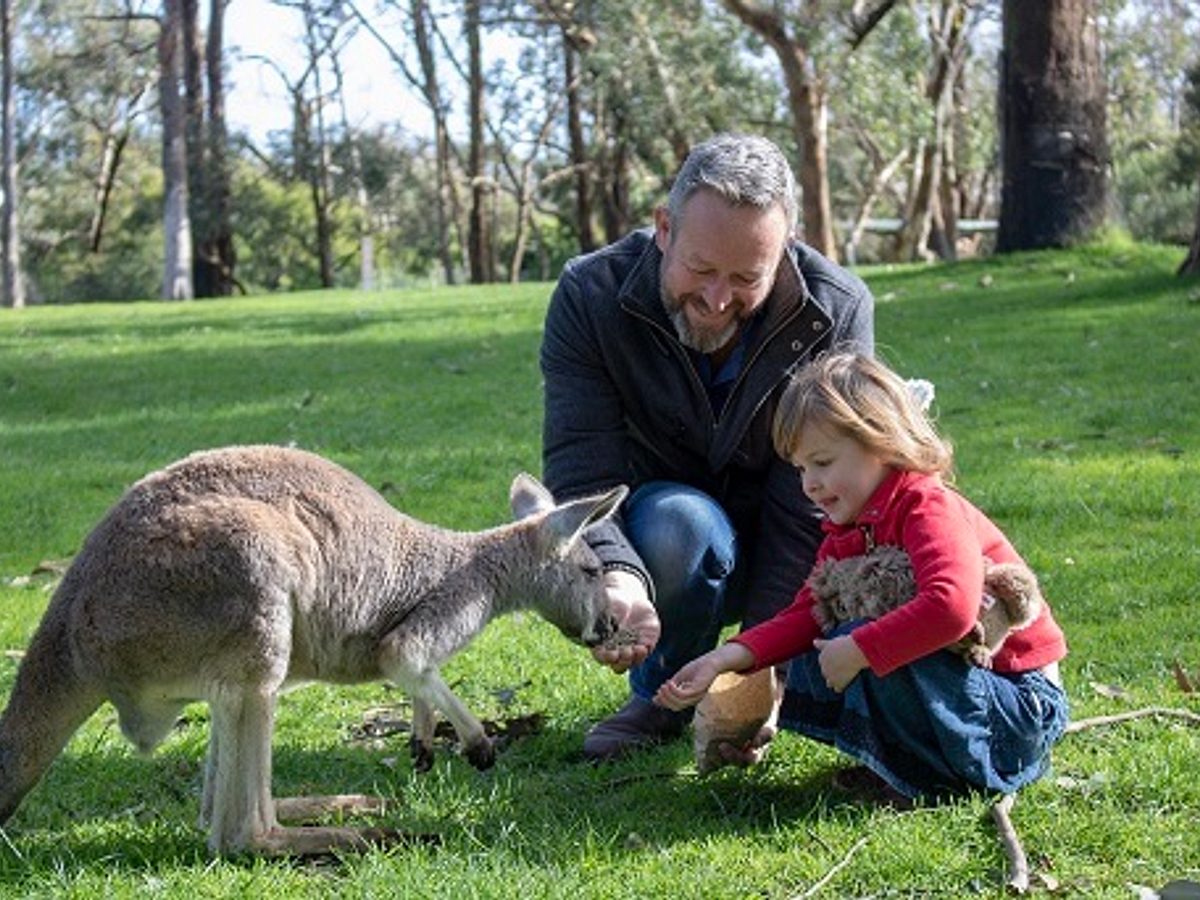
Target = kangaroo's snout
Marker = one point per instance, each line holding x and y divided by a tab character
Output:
599	631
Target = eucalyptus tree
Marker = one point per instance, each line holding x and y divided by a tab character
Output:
1146	66
177	226
1188	157
209	196
1054	143
13	293
395	24
86	141
795	32
633	92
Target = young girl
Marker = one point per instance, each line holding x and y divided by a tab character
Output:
888	692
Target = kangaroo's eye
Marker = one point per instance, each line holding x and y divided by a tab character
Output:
591	571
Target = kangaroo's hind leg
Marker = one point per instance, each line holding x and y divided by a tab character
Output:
243	813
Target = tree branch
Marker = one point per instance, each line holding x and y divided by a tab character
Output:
862	23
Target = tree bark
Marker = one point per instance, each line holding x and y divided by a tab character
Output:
806	101
1191	264
677	134
932	219
192	45
482	263
579	160
219	239
318	162
113	145
1054	146
177	229
447	204
13	283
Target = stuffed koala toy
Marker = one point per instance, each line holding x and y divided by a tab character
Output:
867	586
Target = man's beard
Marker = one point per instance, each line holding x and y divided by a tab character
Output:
689	336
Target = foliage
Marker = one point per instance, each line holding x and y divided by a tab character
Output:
1089	461
651	79
1147	69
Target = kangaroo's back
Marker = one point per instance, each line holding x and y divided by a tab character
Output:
231	572
236	554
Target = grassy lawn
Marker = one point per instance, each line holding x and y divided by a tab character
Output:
1068	382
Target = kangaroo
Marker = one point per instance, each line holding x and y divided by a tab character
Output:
235	573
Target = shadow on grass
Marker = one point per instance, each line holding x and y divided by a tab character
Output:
116	812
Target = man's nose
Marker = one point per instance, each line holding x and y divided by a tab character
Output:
718	295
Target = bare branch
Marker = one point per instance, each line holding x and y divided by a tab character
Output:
862	22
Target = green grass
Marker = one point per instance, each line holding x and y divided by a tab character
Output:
1068	383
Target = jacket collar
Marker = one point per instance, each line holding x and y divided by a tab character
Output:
877	507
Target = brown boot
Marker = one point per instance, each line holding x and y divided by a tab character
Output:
637	724
866	787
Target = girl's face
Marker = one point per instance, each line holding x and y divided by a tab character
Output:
839	473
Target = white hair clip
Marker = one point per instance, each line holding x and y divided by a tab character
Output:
922	392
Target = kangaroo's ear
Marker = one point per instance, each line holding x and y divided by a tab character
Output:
564	524
528	496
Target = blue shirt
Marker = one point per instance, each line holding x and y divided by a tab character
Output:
718	384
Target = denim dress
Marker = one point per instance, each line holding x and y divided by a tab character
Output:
936	727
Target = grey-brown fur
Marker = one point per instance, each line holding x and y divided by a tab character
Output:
867	586
235	573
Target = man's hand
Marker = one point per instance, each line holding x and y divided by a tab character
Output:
631	609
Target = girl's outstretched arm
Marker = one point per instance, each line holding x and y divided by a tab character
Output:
688	686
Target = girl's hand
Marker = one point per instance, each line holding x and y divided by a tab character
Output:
689	685
840	660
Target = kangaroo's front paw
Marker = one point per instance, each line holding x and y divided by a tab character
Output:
422	754
481	754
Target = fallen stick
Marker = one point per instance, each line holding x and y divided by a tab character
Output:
828	876
1149	711
1018	863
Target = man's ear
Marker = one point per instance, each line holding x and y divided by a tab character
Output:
662	228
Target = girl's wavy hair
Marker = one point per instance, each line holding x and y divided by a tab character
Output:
864	399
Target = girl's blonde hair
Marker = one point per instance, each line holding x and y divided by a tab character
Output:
864	399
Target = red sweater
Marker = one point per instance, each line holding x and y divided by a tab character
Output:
946	538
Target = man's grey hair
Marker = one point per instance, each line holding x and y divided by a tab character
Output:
744	169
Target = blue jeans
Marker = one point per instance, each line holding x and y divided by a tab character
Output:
690	549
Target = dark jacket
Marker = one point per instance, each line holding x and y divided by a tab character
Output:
625	405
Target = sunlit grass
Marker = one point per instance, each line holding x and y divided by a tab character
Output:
1067	381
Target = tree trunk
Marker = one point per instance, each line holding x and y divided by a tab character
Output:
1054	146
579	160
219	238
930	227
806	101
1191	264
483	267
446	208
192	46
177	229
13	283
318	161
677	134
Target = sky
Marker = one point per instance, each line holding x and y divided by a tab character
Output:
257	99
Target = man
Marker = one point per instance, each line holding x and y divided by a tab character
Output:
663	356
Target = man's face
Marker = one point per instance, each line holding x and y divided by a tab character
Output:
719	264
